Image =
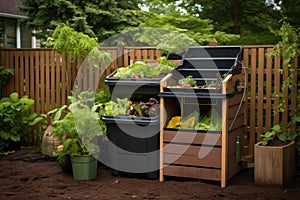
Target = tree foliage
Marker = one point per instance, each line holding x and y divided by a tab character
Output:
200	30
96	18
253	20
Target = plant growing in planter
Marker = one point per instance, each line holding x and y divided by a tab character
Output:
278	145
16	119
79	130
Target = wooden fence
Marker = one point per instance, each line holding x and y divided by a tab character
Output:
49	79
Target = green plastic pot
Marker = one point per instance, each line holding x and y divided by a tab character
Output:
84	167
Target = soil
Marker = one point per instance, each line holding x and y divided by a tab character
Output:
26	174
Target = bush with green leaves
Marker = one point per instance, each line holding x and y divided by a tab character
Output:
82	125
16	118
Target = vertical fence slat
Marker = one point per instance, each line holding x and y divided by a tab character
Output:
57	91
138	54
32	74
269	97
52	79
47	80
253	101
246	64
42	81
17	71
27	72
21	72
277	81
63	80
260	92
294	88
37	83
285	98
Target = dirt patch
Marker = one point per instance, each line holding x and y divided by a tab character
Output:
26	174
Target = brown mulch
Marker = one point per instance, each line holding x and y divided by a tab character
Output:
26	174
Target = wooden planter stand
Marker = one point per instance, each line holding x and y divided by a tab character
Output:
274	165
180	149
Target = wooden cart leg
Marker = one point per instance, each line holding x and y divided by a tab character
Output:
224	158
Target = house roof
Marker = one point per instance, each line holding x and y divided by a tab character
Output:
10	8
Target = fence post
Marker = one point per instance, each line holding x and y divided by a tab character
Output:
120	54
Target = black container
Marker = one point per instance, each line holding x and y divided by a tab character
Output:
210	63
213	51
136	143
194	93
133	87
198	74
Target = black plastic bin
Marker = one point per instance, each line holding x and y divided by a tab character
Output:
213	51
133	87
136	141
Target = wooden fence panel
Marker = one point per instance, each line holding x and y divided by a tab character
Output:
49	79
265	86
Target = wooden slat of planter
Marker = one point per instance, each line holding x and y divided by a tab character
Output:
234	166
279	162
235	100
225	127
193	172
192	150
234	109
189	155
187	160
239	122
195	138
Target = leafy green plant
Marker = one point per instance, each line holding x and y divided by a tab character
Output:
16	118
287	48
187	82
82	124
141	69
4	75
118	107
65	40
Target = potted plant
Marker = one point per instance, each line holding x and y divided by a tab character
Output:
16	120
79	130
274	156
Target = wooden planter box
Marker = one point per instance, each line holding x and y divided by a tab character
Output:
179	149
274	165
